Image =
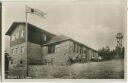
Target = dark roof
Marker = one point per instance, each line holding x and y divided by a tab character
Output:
12	27
14	24
83	45
62	38
58	38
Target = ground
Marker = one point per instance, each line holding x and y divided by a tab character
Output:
112	69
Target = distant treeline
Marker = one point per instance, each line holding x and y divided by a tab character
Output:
108	54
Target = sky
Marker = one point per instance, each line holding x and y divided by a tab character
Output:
94	24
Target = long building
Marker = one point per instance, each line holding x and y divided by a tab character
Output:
44	47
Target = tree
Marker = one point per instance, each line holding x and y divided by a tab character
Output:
106	53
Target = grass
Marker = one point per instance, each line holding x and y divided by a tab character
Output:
113	69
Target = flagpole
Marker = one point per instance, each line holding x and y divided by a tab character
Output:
26	23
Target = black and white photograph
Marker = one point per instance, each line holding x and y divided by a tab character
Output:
64	40
0	39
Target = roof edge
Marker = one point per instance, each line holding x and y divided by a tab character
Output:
14	24
11	27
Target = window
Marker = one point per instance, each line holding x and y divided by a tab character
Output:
22	49
19	50
80	50
13	38
21	62
16	50
17	35
74	47
12	51
22	33
51	49
11	61
84	51
45	37
77	48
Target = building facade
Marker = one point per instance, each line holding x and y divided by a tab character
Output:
61	49
43	47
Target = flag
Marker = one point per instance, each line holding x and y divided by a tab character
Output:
35	11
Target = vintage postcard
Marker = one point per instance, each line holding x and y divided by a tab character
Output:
64	40
0	36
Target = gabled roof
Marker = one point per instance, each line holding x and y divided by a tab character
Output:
58	38
62	38
14	24
12	27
